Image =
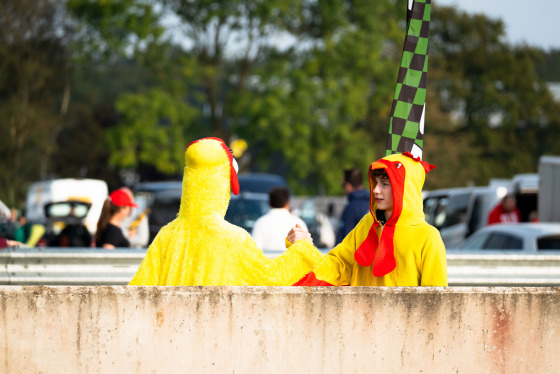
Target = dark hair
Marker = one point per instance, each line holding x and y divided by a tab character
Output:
379	173
507	196
354	177
108	211
278	197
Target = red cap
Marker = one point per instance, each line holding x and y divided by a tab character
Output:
121	198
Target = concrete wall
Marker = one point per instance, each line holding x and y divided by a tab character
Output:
279	330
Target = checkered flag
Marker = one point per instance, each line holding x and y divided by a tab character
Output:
406	129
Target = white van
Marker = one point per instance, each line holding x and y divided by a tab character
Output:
94	191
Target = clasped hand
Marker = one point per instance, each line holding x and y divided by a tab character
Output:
298	233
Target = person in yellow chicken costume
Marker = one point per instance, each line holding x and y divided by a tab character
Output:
392	245
199	248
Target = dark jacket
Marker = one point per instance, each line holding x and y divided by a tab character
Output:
357	207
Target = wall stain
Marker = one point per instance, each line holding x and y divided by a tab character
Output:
160	317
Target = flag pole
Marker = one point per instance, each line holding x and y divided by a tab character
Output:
406	126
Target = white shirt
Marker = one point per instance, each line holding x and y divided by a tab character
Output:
270	230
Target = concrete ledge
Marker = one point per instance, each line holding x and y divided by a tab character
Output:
278	330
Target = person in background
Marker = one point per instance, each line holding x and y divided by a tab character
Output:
357	206
23	232
505	211
270	230
533	216
115	209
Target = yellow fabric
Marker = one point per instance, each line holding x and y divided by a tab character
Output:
37	232
199	248
419	251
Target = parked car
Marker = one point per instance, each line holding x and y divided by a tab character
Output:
525	237
459	212
260	182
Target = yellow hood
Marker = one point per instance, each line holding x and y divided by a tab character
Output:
208	178
407	175
199	248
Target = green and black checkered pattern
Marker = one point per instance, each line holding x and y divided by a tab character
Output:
406	129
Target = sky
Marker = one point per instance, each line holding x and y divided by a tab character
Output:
533	22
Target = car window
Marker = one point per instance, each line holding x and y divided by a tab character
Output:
65	209
164	210
475	242
457	208
430	205
244	212
503	241
549	242
446	211
440	212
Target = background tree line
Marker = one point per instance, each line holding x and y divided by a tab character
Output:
116	90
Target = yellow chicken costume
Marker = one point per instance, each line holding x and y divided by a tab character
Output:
405	251
199	248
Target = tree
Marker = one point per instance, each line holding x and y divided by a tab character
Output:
502	109
318	105
309	86
34	90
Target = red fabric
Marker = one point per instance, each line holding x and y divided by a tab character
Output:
311	280
498	215
365	254
3	243
385	259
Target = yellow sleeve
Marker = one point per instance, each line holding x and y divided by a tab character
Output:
148	273
338	265
298	260
434	261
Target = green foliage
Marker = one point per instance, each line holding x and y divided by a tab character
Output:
153	130
547	66
34	89
111	28
307	84
506	110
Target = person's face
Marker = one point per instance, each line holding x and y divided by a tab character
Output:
347	187
509	204
383	194
124	211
